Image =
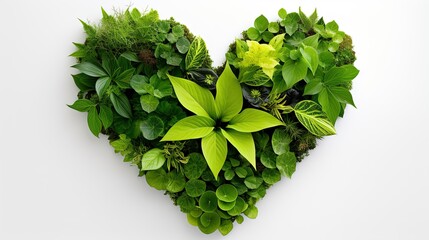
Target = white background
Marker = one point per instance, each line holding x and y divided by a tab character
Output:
370	181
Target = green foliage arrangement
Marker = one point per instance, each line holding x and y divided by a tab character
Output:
148	84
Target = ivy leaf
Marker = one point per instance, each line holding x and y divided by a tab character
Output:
90	69
193	97
243	142
153	159
310	57
330	105
192	127
82	105
101	85
152	127
149	103
229	99
94	122
294	71
196	55
121	104
106	116
311	116
253	120
214	150
286	164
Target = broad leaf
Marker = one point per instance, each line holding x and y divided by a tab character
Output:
311	116
152	127
261	23
337	75
157	179
183	45
193	97
310	57
121	104
90	69
330	105
159	87
153	159
82	105
196	55
313	87
106	116
262	55
253	120
312	41
214	150
140	83
342	94
229	99
94	122
286	164
176	182
192	127
243	142
101	85
294	71
149	103
277	41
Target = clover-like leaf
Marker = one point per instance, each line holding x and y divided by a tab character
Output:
253	120
214	150
192	127
193	97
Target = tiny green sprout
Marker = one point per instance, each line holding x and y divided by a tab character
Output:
255	93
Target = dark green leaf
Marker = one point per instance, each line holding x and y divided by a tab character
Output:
106	116
226	193
84	82
313	87
208	201
121	104
149	103
195	166
101	85
195	187
94	121
176	182
229	174
268	158
342	94
280	141
82	105
90	69
123	80
157	179
286	164
186	203
130	56
271	176
209	222
140	84
152	127
307	24
241	172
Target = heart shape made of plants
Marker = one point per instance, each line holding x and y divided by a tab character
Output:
214	139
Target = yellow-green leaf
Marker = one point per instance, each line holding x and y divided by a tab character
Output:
229	99
311	116
243	142
192	127
253	120
214	150
193	97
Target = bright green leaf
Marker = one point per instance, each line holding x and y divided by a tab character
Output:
157	179
330	105
313	87
238	208
253	182
243	142
294	71
273	27
153	159
282	13
337	75
208	201
261	23
342	94
193	97
209	222
225	227
226	193
277	41
312	41
253	120
251	212
253	33
214	150
192	127
311	116
229	99
310	57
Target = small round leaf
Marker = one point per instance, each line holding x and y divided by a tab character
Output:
226	193
271	176
209	222
195	187
253	182
208	201
238	208
225	206
253	33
